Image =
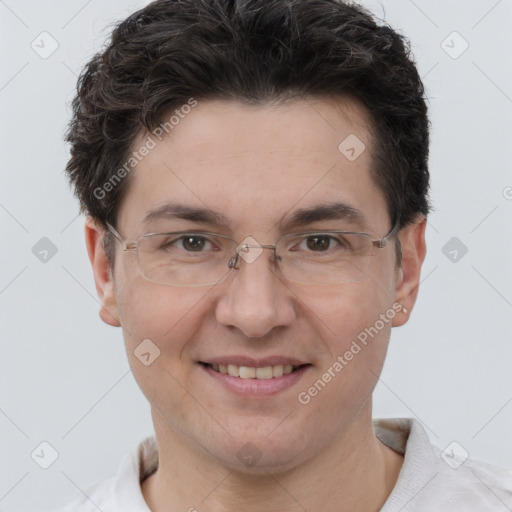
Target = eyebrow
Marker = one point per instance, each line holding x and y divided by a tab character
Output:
178	211
299	218
323	212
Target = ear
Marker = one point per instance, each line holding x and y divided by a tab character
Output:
412	241
94	235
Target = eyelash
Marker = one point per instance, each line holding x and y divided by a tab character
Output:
172	242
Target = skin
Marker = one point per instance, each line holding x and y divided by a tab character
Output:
256	165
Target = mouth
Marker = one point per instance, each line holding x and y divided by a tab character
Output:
255	379
252	372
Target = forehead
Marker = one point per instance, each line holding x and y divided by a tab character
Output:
255	165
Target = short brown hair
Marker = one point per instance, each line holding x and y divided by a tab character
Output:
252	51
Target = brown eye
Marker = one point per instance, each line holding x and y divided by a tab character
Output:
186	243
193	243
318	242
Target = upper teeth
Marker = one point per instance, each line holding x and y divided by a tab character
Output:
248	372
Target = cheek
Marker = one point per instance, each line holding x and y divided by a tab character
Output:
168	318
342	312
358	335
163	314
355	325
346	378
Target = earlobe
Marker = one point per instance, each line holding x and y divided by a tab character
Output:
412	240
94	235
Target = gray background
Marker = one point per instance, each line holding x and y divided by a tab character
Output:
64	377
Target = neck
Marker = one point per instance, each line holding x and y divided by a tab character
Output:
356	475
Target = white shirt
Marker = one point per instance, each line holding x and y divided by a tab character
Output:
429	481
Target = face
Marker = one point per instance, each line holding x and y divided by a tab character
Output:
256	166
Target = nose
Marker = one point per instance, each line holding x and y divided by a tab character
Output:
254	298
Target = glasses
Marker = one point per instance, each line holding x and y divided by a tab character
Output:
196	258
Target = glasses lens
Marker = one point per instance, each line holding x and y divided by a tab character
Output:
184	259
324	258
195	259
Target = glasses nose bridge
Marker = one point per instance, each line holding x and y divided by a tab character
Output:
235	262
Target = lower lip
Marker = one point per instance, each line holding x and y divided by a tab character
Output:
257	387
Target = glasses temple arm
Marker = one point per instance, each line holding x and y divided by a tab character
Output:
383	241
119	238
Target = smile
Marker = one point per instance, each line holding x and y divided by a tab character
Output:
249	372
256	379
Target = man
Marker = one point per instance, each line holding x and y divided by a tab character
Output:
255	178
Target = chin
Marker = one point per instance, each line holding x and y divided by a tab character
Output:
252	461
262	455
